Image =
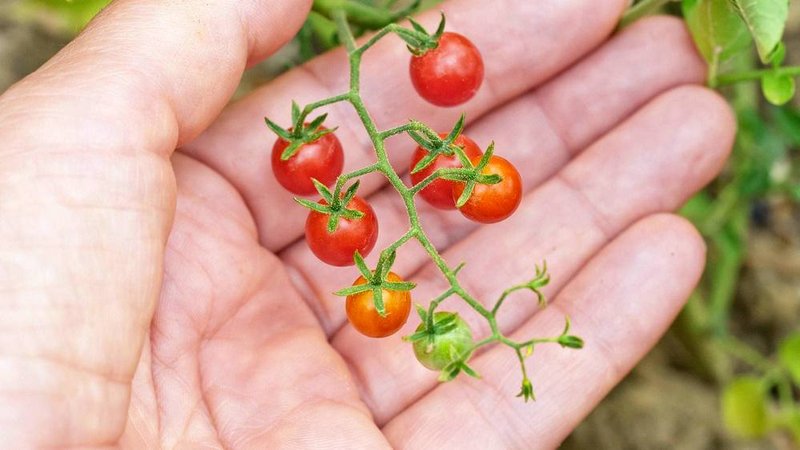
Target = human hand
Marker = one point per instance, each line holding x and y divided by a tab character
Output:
143	301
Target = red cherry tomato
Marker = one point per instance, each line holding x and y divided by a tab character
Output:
491	203
440	192
365	318
322	159
449	74
337	248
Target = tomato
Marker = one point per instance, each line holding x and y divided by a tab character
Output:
365	318
491	203
440	192
337	248
322	159
446	347
449	74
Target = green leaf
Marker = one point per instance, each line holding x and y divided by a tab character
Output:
718	31
765	19
744	408
778	89
789	356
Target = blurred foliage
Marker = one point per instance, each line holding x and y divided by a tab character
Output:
70	15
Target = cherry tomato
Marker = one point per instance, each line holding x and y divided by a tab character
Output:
322	159
491	203
446	347
337	248
440	192
365	318
449	74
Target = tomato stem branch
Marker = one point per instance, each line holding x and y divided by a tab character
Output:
415	231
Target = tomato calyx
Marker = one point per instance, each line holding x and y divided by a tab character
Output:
418	40
377	280
335	206
437	146
301	132
472	175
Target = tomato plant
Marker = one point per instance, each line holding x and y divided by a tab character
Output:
354	234
440	192
342	228
364	316
449	74
489	203
321	159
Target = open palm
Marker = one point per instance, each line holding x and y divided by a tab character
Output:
154	298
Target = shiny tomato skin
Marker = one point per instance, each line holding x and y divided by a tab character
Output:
449	74
322	159
446	347
490	203
337	248
440	192
364	317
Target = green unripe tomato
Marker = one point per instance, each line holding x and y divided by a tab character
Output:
446	347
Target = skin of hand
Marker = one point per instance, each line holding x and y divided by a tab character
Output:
159	298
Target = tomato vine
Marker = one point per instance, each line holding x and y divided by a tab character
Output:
436	328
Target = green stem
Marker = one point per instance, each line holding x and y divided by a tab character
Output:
750	75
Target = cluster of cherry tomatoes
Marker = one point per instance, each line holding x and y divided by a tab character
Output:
447	75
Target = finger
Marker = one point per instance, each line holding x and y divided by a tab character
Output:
539	132
88	196
620	304
609	186
519	53
230	339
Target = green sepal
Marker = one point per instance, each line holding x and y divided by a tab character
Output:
422	142
425	162
291	149
457	129
462	200
570	341
277	129
385	263
317	122
361	265
350	192
526	391
422	312
377	298
489	179
399	285
416	25
333	222
323	190
296	117
351	290
314	206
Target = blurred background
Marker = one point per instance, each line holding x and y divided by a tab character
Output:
727	375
